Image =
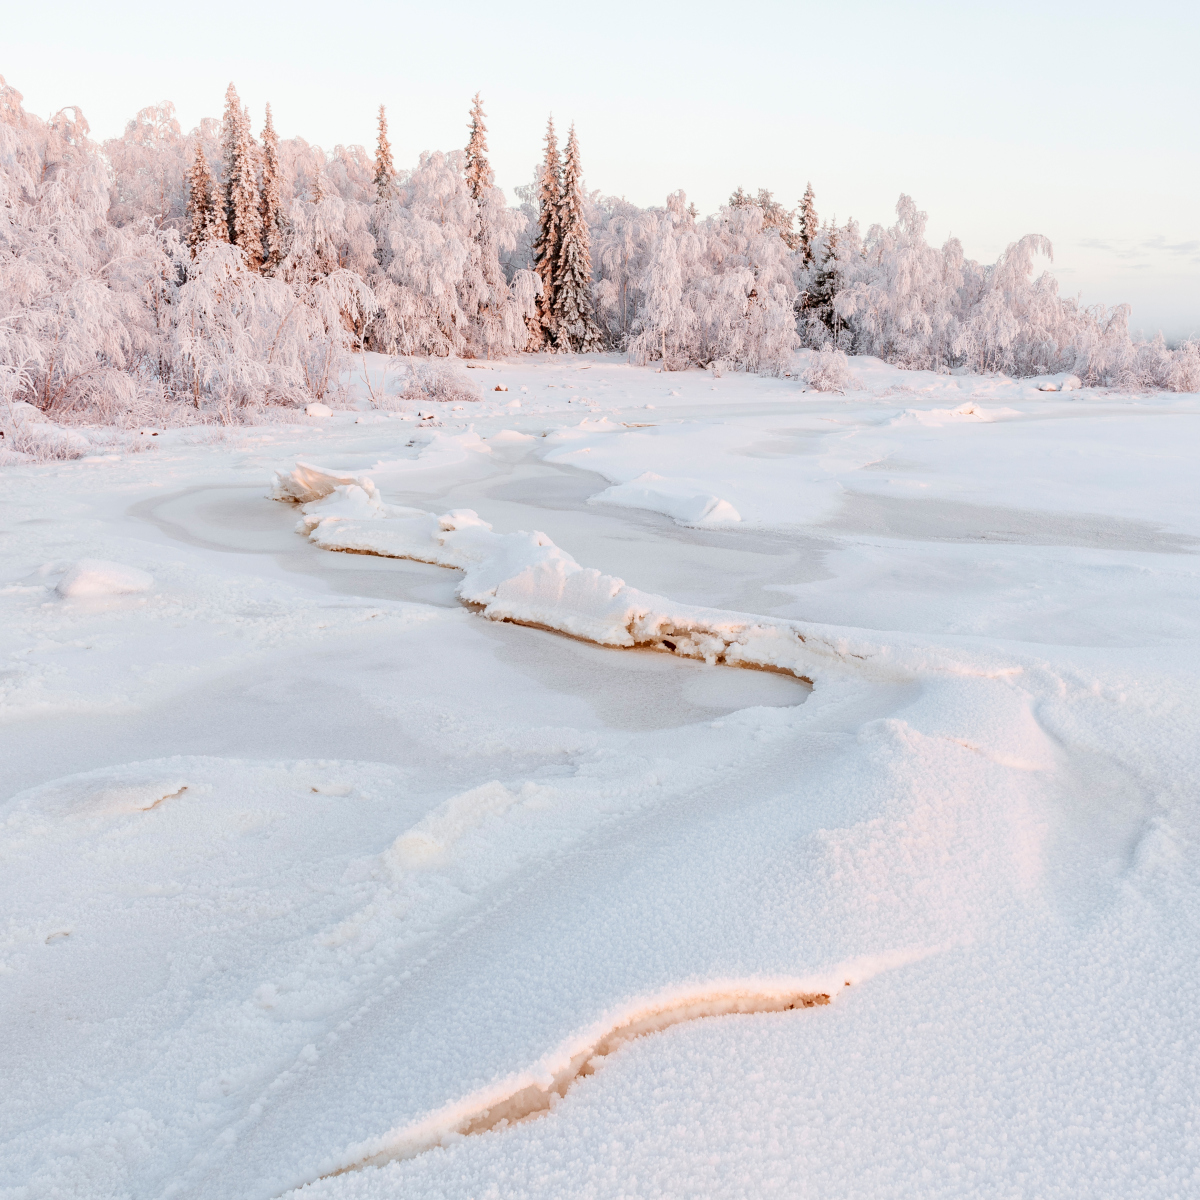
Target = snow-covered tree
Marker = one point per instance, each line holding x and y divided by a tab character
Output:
203	221
433	295
837	255
332	304
477	169
743	295
774	215
667	322
622	235
808	225
66	333
903	304
484	294
574	325
271	209
149	164
242	214
384	170
548	241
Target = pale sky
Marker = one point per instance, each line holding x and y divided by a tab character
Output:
1078	121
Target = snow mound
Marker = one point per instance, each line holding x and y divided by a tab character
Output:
684	503
969	410
98	577
1061	383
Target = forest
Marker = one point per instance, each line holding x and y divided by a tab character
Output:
211	275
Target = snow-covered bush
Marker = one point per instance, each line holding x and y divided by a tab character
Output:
829	370
437	381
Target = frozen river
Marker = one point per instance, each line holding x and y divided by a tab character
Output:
315	874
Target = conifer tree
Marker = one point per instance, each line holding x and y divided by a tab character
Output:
201	204
575	329
479	172
491	293
827	283
240	187
546	245
808	225
384	171
274	221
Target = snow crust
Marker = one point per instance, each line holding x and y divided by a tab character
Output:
315	878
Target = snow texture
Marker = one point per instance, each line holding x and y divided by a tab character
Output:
316	881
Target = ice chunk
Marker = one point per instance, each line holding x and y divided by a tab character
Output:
306	482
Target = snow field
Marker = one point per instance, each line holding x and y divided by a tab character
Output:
306	864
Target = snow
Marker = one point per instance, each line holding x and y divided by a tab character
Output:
96	577
351	872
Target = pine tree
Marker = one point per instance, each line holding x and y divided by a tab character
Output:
546	245
827	283
488	295
808	225
240	189
384	171
479	173
574	327
274	221
201	204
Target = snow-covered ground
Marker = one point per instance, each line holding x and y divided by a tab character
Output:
313	874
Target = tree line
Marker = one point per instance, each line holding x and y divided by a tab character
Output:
216	272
